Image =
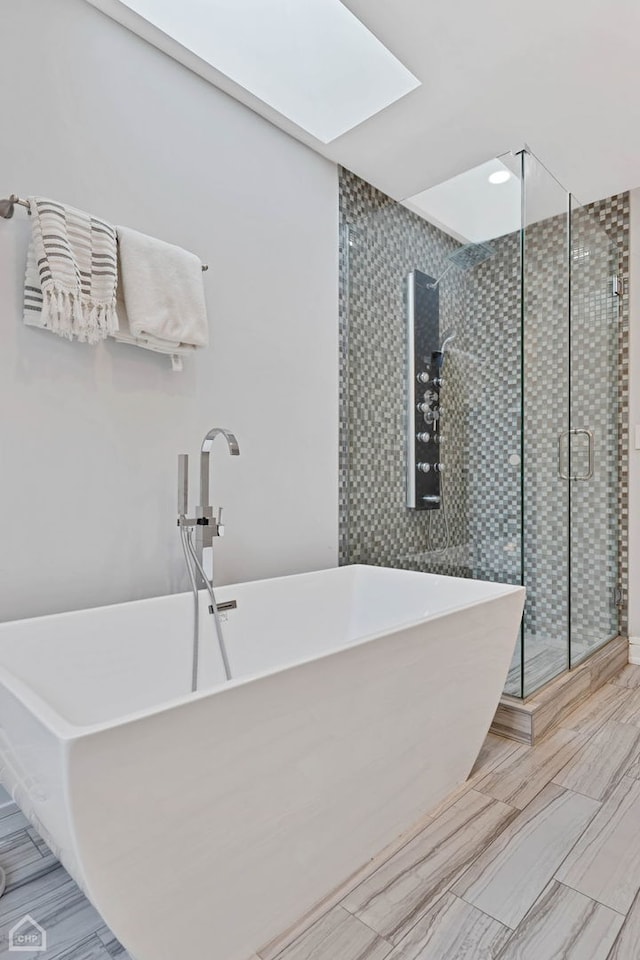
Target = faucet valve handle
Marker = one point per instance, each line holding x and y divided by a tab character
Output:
219	524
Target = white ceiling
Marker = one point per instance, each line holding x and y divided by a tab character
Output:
562	76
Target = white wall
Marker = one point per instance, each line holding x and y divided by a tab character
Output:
89	436
634	419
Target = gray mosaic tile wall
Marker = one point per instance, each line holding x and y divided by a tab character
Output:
485	368
381	241
595	404
612	214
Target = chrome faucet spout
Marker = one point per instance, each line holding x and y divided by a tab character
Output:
205	450
207	526
232	442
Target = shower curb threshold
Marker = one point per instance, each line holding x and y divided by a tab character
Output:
529	719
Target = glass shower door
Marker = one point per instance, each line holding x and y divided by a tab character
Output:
517	393
545	417
592	444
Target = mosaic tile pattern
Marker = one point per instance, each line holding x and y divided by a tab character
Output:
485	368
495	307
595	403
482	411
385	241
613	216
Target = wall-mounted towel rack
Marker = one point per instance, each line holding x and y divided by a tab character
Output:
8	207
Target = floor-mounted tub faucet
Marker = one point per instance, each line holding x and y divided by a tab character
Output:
207	527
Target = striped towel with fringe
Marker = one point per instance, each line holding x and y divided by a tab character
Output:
71	278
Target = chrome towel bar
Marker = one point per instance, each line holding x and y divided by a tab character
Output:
8	207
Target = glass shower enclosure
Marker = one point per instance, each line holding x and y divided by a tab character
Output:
480	408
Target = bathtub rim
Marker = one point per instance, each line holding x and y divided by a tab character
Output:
67	731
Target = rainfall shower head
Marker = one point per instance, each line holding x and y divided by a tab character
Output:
466	258
471	255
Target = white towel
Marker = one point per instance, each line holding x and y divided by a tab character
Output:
163	295
70	282
124	335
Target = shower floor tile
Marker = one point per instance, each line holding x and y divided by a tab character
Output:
476	883
546	658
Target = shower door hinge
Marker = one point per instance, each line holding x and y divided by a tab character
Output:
619	596
617	286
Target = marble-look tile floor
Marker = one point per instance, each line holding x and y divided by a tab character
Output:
537	857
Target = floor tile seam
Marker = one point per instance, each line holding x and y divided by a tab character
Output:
76	945
490	915
451	883
624	773
559	866
42	872
607	715
582	746
303	933
594	899
517	928
460	876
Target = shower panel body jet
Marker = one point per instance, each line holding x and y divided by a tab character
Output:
425	363
423	393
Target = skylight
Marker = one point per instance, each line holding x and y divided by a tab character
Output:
311	60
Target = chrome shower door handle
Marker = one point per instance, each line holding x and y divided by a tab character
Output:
561	437
592	455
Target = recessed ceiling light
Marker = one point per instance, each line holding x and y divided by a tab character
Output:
313	62
500	176
468	208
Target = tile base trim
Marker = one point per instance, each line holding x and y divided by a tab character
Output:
530	719
634	650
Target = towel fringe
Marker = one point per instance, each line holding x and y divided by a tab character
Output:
78	299
68	316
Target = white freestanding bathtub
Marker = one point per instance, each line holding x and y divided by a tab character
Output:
204	824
